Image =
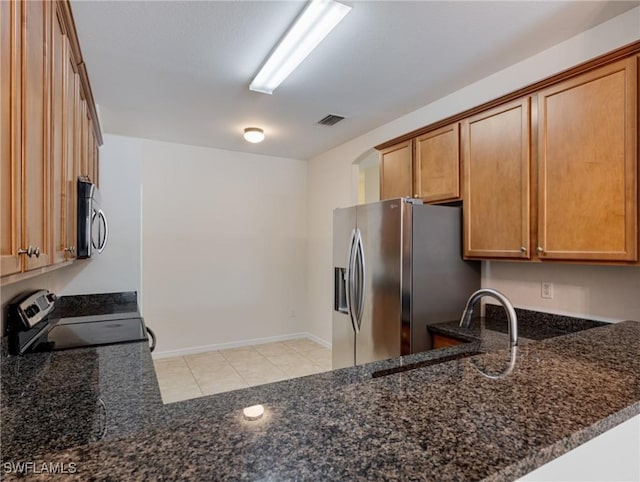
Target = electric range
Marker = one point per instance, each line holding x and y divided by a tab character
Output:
33	326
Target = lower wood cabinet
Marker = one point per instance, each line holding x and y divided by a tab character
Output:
496	159
442	341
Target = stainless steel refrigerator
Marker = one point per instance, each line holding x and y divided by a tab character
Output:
397	268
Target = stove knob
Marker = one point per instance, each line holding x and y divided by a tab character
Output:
29	311
51	297
35	308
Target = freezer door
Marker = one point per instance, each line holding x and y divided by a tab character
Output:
343	334
379	228
440	280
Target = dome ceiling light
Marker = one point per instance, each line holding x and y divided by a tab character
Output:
253	135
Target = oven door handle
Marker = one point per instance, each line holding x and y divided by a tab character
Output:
153	338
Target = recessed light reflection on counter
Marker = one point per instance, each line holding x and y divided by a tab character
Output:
255	412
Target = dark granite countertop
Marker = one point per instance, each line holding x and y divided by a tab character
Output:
532	325
100	409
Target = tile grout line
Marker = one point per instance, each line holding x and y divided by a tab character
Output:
228	363
249	348
269	361
193	375
290	350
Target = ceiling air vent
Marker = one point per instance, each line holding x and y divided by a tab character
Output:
330	120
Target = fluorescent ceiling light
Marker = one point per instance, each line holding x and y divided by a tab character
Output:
314	23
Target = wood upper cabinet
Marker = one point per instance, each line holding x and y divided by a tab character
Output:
36	22
496	159
396	171
549	173
72	96
84	131
10	144
437	165
426	167
587	166
42	119
58	140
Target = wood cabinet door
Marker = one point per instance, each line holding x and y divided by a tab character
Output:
91	141
496	159
96	163
72	96
437	165
10	146
587	166
84	162
58	140
36	23
396	171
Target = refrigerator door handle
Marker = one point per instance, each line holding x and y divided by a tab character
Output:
361	278
350	280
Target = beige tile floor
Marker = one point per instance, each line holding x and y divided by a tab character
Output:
192	376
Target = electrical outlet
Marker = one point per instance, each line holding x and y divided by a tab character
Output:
546	290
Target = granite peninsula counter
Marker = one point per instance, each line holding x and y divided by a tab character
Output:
100	409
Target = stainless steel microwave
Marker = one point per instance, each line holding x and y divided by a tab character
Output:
93	230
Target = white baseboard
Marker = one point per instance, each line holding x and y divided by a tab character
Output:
237	344
318	340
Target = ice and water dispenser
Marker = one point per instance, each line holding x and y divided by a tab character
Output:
340	290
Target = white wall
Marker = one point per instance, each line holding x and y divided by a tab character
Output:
369	178
224	245
331	183
117	268
607	293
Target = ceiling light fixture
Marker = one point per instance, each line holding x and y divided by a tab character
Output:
253	135
314	23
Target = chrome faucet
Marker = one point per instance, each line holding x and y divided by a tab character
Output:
465	321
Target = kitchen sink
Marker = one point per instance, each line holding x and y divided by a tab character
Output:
425	363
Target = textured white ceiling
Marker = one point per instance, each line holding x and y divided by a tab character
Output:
180	71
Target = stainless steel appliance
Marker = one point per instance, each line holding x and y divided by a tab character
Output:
93	230
397	268
32	326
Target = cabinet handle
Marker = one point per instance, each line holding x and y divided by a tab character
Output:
28	251
36	252
540	250
523	249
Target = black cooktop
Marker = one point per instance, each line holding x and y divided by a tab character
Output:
39	321
86	331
